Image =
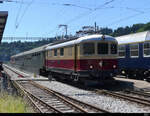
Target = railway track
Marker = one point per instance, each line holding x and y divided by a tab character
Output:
48	101
128	96
139	94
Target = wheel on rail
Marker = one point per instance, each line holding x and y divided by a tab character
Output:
50	76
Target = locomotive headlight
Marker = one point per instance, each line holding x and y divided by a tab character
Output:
114	66
101	63
91	66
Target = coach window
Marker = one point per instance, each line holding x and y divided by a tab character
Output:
69	51
134	50
122	51
102	48
113	48
88	48
55	52
146	49
61	51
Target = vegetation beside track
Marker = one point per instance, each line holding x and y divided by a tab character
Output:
13	104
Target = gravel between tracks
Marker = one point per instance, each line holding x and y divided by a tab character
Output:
107	103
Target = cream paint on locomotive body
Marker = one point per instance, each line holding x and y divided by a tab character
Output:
58	57
80	53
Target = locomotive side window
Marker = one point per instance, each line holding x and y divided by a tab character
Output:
55	52
113	48
122	51
146	49
69	51
102	48
50	53
61	51
134	50
88	48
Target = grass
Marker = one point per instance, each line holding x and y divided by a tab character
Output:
12	104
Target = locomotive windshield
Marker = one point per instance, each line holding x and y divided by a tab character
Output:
88	48
102	48
113	48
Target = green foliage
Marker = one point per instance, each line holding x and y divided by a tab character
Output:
9	49
145	28
10	104
124	30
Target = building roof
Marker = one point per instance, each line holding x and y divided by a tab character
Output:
3	19
134	38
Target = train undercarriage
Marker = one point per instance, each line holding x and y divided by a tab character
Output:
139	74
84	77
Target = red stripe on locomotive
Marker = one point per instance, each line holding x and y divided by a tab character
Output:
84	64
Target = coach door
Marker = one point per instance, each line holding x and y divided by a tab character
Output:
75	57
45	55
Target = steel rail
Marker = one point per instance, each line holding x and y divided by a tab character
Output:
31	96
138	93
71	99
74	106
75	103
38	109
126	97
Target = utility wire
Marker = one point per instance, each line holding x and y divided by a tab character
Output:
74	5
88	13
19	10
127	18
17	25
83	14
106	3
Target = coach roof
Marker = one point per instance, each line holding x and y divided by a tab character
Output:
35	50
134	38
82	39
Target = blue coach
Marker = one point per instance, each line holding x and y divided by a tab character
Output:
134	55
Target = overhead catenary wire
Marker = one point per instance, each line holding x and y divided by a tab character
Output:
89	12
19	10
127	18
85	13
23	14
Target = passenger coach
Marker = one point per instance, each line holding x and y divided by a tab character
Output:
134	55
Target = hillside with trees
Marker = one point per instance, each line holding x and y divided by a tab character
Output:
12	48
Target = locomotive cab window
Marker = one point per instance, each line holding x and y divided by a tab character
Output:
146	48
55	52
88	48
102	48
113	48
122	51
134	50
61	51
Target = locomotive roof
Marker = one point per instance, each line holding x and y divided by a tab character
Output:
66	43
134	38
41	48
82	39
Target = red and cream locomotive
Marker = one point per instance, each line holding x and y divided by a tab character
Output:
92	57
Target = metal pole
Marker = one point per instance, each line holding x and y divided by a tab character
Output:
66	30
95	27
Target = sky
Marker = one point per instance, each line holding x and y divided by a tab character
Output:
40	18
